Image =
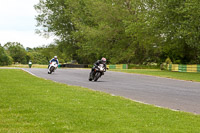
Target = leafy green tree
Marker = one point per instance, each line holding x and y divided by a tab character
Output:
5	58
125	31
48	52
38	58
55	18
177	24
16	51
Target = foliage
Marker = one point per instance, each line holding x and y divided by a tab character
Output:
17	52
5	59
189	76
14	51
137	66
168	61
125	31
38	58
46	53
177	23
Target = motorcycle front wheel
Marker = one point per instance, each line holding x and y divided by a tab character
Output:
97	75
90	77
51	70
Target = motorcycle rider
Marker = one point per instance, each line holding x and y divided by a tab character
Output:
54	59
96	64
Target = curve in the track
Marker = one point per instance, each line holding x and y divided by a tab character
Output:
164	92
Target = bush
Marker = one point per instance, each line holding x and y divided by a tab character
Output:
138	66
5	58
61	61
168	61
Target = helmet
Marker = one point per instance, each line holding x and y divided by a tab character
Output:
55	57
103	60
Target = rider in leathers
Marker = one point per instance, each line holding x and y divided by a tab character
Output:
96	64
54	59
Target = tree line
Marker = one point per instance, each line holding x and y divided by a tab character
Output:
123	31
14	52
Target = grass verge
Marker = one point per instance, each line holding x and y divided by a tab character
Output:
168	74
31	104
26	66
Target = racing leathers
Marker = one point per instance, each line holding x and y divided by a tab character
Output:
53	59
96	64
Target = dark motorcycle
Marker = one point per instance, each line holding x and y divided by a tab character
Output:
98	72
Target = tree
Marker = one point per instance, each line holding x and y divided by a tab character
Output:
55	18
177	24
124	31
5	58
16	51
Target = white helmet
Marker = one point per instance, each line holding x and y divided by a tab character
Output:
103	60
55	57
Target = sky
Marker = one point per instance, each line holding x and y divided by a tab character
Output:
18	24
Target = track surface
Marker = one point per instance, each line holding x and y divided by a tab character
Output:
164	92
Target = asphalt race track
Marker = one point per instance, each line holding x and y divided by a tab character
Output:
164	92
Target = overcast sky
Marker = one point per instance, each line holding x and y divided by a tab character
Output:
17	23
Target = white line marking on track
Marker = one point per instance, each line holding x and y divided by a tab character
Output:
29	72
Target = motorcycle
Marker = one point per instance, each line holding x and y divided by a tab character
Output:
98	72
52	67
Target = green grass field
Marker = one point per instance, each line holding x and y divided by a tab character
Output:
168	74
27	66
31	104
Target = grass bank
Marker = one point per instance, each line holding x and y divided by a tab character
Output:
161	73
31	104
26	66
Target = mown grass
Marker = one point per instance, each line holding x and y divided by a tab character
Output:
163	73
26	66
31	104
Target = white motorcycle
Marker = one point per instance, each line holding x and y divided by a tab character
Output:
98	72
53	66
